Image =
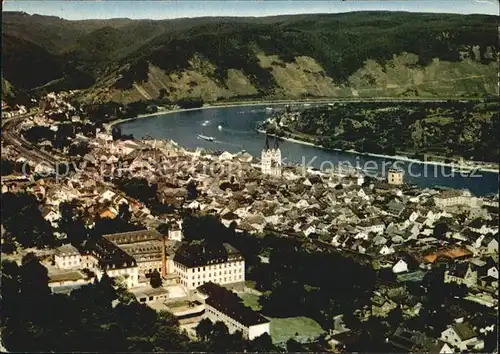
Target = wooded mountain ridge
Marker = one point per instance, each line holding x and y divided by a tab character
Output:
216	58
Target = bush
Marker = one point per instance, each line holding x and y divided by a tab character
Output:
190	103
155	279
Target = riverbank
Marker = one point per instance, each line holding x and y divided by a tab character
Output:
461	168
229	104
109	125
470	167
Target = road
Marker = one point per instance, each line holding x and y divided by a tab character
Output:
25	148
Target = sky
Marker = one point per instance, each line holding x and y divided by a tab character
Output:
145	9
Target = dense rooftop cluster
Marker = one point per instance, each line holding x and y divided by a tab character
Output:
403	232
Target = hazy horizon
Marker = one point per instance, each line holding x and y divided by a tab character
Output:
165	10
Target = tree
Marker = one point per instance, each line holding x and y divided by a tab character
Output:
80	149
350	320
304	292
162	93
204	329
71	224
16	210
457	290
78	233
395	317
43	323
491	341
367	181
232	227
10	282
140	189
220	337
440	230
8	244
63	169
10	303
67	211
220	330
390	150
63	135
22	167
108	226
163	228
6	167
124	212
225	186
236	342
155	279
107	288
262	343
116	133
34	278
196	228
38	133
190	103
292	346
166	334
192	191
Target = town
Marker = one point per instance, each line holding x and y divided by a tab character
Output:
258	245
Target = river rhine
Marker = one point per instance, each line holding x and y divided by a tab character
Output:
237	132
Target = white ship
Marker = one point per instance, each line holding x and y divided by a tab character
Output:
207	138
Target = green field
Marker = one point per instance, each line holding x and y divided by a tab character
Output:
250	300
283	329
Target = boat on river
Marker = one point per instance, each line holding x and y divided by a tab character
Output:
207	138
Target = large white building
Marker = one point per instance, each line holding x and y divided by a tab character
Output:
100	257
451	198
131	256
203	262
145	246
271	159
223	305
105	257
67	257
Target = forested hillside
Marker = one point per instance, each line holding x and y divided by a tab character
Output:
340	55
450	129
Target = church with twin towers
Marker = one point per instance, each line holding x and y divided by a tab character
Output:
271	158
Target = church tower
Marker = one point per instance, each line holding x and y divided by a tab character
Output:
271	158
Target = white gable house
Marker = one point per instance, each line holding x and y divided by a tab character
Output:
400	267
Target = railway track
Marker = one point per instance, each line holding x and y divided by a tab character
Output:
25	148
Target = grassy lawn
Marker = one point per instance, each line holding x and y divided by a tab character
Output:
283	329
250	300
